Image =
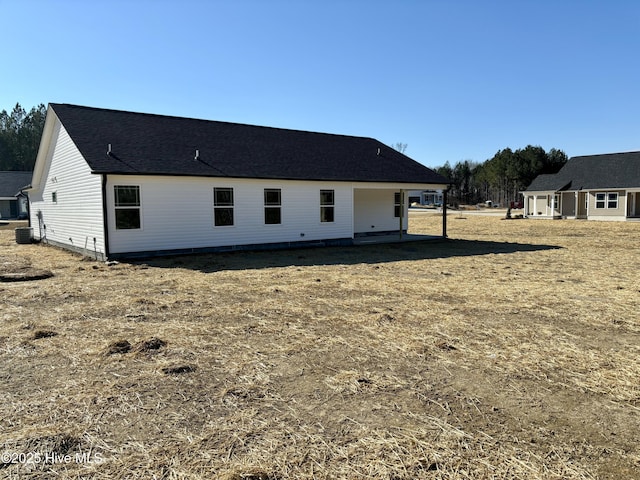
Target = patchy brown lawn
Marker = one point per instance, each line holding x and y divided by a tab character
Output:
510	351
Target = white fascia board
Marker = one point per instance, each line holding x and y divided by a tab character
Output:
400	186
43	150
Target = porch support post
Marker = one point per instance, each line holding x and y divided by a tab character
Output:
401	211
587	204
444	213
626	204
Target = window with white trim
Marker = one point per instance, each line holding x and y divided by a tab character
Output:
607	200
397	204
223	206
327	205
127	206
272	206
54	197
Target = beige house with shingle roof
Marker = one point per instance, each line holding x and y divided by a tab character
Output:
593	187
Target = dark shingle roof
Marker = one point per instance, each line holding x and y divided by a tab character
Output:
161	145
12	182
611	170
547	182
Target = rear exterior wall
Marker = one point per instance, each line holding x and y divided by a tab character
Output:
177	213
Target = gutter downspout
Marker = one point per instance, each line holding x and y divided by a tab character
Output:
105	223
22	192
401	211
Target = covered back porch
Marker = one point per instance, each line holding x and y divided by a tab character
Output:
381	213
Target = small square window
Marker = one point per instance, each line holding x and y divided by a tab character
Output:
223	197
127	218
272	216
272	196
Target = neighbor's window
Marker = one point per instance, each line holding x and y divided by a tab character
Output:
127	205
556	202
600	200
54	197
327	205
612	200
397	204
272	206
223	206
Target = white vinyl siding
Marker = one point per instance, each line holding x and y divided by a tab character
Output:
68	198
178	213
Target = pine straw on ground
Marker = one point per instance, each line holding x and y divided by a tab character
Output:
510	351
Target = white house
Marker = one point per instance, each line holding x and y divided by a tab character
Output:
115	184
432	198
593	187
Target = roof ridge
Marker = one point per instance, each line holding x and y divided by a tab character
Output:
607	154
178	117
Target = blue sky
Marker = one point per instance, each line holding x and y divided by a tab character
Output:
454	80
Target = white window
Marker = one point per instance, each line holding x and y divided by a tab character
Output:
327	205
272	206
127	206
397	204
607	200
223	206
54	197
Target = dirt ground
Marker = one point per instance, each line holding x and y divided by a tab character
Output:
512	350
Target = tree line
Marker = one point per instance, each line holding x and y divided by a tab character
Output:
20	133
502	177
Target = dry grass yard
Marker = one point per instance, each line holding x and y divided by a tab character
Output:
511	351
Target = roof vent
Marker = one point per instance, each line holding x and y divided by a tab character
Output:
378	151
197	156
109	149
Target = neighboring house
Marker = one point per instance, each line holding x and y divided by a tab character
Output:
122	184
13	203
432	198
594	187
